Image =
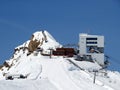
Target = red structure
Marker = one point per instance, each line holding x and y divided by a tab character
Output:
64	52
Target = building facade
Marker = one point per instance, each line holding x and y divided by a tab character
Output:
92	46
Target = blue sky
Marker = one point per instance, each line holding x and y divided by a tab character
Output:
64	19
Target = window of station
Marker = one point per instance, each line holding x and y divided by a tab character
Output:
100	49
95	49
91	42
91	38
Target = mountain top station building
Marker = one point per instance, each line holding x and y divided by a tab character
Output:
91	47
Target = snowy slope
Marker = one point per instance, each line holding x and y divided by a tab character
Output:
59	74
42	84
56	73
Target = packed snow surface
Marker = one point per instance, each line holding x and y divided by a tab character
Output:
57	74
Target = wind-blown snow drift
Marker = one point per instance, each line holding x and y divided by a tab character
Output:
57	73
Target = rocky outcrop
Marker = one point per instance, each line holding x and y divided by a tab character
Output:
33	45
6	64
1	66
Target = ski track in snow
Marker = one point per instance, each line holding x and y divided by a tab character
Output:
58	76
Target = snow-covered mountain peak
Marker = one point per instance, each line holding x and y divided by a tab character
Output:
40	39
39	35
40	44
